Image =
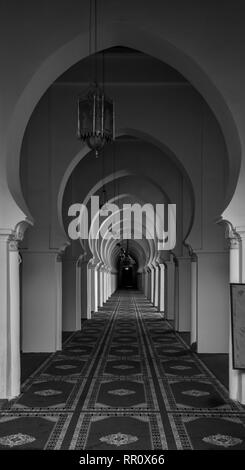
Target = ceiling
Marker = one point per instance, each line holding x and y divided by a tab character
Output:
123	65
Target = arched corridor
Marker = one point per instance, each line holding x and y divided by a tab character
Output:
126	381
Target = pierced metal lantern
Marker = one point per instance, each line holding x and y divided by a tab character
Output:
96	119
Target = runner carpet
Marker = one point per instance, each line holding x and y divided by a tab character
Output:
126	381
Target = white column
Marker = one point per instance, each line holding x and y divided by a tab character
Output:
101	290
143	281
9	317
101	287
4	323
176	296
94	290
104	284
4	320
170	289
184	295
161	293
14	320
107	285
152	284
193	299
85	290
78	297
149	284
234	375
59	302
156	284
71	297
110	283
241	232
146	282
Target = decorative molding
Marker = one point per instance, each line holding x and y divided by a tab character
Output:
230	232
20	229
192	255
13	244
240	230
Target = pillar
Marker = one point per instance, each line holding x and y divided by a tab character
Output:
104	285
184	295
71	293
151	293
94	288
10	311
234	255
59	302
4	317
145	282
170	289
101	289
156	285
85	290
193	300
176	295
14	319
161	291
241	233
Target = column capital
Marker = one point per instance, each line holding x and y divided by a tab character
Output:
162	266
240	231
232	233
13	244
5	236
15	235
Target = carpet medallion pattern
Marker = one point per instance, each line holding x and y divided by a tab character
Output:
126	381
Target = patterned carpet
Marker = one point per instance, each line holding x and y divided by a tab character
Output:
125	381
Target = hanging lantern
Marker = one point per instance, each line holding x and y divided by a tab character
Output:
96	124
95	119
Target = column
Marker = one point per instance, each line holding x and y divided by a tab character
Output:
170	289
139	280
156	284
14	320
152	284
4	317
161	293
10	311
85	291
145	282
241	233
176	295
78	297
101	287
94	288
234	375
71	292
184	296
104	284
193	300
59	305
149	284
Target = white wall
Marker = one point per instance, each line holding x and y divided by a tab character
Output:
39	302
213	303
